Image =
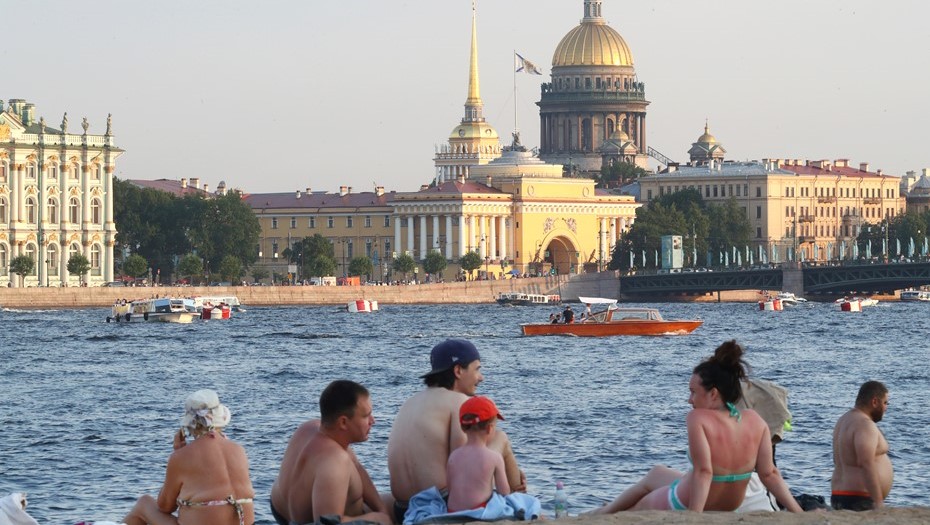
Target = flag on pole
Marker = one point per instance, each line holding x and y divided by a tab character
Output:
526	66
911	249
898	251
644	258
631	259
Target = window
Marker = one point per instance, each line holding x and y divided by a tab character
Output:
73	172
52	258
95	172
293	222
787	211
274	249
648	195
368	248
745	190
30	210
349	249
387	221
4	259
95	267
758	191
311	223
349	221
2	172
387	247
31	252
758	233
368	221
30	171
95	216
53	171
715	190
52	211
3	208
597	82
274	223
758	212
737	190
330	221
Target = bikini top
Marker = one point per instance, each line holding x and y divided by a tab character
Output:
728	478
235	503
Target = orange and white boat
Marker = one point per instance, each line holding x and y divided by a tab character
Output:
616	321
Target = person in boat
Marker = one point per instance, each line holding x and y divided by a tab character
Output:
426	429
206	480
568	316
725	445
555	318
320	474
862	472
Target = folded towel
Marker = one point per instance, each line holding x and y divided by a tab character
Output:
429	506
13	510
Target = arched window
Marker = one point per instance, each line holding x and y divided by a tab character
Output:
4	259
95	259
73	250
95	211
74	172
31	170
53	171
95	172
30	210
2	172
31	252
74	211
51	259
52	210
3	211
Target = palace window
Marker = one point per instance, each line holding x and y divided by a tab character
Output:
30	210
2	172
30	171
758	212
368	221
311	223
95	259
52	210
95	216
4	259
368	248
349	222
274	249
52	259
745	190
95	172
758	191
330	222
387	221
293	222
31	252
53	171
3	211
758	233
74	171
387	247
274	223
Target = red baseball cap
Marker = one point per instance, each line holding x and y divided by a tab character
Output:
477	409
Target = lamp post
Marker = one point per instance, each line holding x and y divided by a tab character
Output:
48	263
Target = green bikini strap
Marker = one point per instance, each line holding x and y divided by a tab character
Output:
733	411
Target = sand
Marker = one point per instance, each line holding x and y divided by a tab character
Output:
899	515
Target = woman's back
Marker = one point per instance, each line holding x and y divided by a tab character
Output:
214	487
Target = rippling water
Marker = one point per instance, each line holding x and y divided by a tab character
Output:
88	409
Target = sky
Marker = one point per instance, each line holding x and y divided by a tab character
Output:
276	96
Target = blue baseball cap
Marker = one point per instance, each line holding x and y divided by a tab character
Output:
451	352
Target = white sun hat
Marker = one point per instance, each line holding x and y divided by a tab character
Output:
203	408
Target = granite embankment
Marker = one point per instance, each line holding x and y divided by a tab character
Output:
906	516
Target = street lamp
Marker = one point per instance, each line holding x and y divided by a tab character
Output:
48	263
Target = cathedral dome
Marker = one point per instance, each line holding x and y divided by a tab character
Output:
706	138
474	130
593	43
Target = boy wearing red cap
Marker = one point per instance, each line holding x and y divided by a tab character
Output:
474	471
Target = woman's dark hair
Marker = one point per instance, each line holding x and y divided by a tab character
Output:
724	370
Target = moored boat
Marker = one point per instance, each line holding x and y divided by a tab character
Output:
863	301
362	306
616	321
176	310
915	295
528	299
231	300
789	299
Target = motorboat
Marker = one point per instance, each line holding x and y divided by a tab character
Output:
915	295
528	299
789	299
165	309
616	321
231	300
863	301
362	306
216	312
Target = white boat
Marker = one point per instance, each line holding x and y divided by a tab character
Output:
915	295
362	306
527	299
863	301
789	299
167	309
215	300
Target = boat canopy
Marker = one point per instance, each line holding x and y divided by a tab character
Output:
597	300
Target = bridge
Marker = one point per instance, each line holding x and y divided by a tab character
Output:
836	278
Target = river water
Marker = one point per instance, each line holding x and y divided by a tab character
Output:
88	409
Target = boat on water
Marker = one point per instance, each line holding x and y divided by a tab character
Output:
213	300
528	299
915	295
789	299
361	306
863	301
164	309
615	321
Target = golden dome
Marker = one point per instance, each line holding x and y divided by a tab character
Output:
593	43
474	130
707	138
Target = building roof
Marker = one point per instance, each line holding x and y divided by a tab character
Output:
169	186
592	43
271	201
724	169
453	187
810	168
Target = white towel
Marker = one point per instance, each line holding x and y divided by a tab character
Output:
13	510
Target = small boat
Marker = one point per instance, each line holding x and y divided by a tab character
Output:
527	299
616	321
172	310
863	301
230	300
915	295
362	306
789	299
218	311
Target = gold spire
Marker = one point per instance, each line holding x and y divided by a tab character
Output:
473	103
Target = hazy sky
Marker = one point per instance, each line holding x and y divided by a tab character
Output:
276	96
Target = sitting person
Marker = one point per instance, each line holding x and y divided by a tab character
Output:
555	318
207	478
724	445
474	471
568	316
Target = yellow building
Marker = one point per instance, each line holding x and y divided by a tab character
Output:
810	210
56	198
515	211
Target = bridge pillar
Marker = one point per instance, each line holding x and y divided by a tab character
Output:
792	280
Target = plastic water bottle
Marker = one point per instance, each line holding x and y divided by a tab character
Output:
560	501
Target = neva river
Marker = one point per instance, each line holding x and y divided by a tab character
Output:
88	409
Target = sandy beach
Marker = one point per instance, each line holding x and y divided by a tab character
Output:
911	515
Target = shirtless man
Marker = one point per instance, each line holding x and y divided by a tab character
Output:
862	473
320	473
427	429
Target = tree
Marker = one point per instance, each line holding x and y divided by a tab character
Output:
79	265
470	262
618	174
191	266
309	247
135	265
231	269
319	266
259	274
361	265
22	265
434	263
404	263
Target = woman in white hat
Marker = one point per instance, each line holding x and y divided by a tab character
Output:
207	480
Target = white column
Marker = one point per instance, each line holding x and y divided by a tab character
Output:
16	200
63	263
502	236
463	227
108	257
603	243
449	237
435	233
483	239
472	228
409	247
43	266
422	246
613	231
397	247
492	237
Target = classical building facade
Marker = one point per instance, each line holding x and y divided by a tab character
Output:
593	91
810	210
56	198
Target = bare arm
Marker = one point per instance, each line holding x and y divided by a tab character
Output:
168	495
370	495
769	475
457	436
515	477
702	469
331	488
500	477
865	440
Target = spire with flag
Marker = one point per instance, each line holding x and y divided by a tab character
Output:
525	65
